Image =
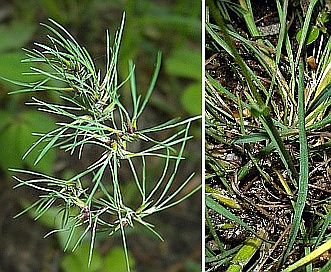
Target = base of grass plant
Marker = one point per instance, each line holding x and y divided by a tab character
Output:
249	169
91	113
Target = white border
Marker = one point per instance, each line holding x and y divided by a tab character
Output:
203	163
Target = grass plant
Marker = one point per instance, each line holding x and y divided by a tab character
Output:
90	114
263	125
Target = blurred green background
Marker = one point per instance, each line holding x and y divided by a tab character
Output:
172	27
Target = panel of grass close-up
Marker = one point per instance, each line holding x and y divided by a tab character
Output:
100	125
267	130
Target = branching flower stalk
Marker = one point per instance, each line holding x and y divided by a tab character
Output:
92	114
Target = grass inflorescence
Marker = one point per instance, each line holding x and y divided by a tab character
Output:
90	112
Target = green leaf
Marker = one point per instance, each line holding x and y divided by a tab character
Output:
10	149
304	171
5	119
245	254
218	195
212	204
251	138
192	100
12	67
37	122
16	35
52	219
321	98
77	260
313	34
115	259
184	63
16	137
310	257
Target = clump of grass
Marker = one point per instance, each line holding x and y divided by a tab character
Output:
264	124
91	113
